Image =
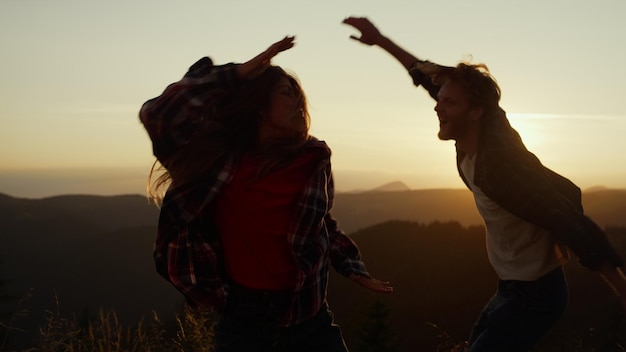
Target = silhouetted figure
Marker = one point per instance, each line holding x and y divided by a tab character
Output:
246	225
531	214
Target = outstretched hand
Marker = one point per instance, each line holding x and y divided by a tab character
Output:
260	62
370	35
284	44
372	284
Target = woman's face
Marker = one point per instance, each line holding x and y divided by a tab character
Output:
285	117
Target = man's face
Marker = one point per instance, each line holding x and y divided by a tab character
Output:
454	112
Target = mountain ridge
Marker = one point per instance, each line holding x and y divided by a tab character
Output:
96	251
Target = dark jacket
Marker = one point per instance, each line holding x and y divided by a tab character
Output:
515	179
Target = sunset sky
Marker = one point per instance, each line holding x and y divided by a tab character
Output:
75	73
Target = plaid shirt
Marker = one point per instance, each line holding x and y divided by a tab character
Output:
516	180
187	249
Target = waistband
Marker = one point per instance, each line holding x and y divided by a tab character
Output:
241	293
252	305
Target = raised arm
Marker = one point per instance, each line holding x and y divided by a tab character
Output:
260	62
370	35
170	118
421	71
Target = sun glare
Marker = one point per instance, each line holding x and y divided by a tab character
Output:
529	129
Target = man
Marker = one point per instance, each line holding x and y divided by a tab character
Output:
531	214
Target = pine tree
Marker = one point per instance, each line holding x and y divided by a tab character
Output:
376	334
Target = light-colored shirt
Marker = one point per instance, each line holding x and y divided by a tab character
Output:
517	249
515	179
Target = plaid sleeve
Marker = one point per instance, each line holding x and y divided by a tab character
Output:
192	268
169	118
344	253
316	236
308	235
187	250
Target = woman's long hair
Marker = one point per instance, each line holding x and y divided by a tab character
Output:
230	127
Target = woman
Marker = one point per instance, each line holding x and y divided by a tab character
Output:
245	224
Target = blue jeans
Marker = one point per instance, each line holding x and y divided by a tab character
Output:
520	313
250	323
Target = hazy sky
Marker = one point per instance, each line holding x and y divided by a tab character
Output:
75	73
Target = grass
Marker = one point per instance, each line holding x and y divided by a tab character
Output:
191	330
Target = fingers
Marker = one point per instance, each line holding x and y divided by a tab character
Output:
264	59
284	44
373	284
382	286
353	20
288	42
370	35
356	22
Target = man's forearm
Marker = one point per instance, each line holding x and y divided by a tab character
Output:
404	57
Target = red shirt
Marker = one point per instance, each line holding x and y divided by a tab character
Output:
253	216
185	250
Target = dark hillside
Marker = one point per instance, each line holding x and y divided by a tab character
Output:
357	211
94	252
607	207
441	276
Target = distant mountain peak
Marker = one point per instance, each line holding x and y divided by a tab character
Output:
596	189
392	187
